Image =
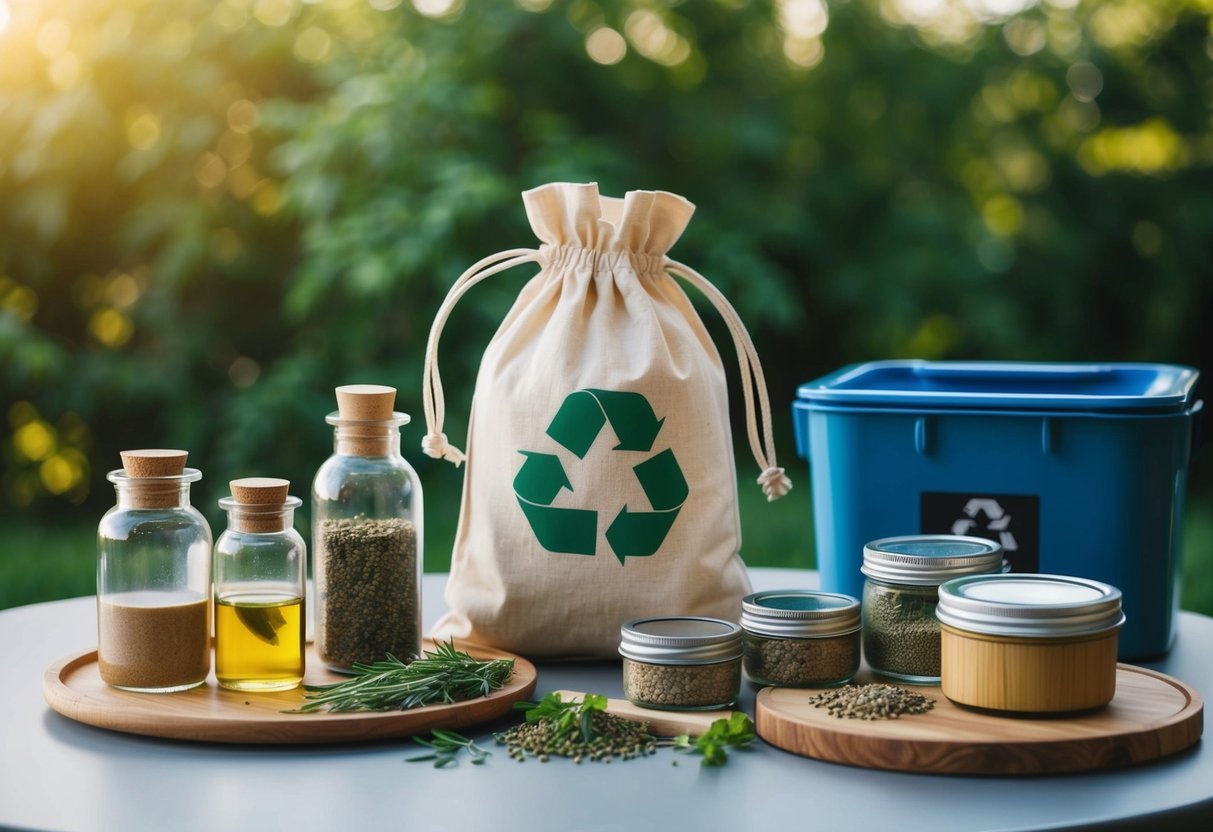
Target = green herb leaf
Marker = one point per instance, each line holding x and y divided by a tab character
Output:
735	732
441	675
447	745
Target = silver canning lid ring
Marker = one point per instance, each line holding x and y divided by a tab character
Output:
680	639
930	559
1030	605
799	613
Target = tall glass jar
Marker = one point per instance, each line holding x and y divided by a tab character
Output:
366	535
153	578
901	637
260	567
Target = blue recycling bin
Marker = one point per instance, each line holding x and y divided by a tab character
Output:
1076	469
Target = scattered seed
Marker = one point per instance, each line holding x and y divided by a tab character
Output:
614	738
870	702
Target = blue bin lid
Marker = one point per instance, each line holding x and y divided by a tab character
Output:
1005	385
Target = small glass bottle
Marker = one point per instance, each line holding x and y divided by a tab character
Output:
900	631
681	663
366	536
260	567
798	638
153	578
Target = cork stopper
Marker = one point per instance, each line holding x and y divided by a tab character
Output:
154	462
152	465
366	402
259	504
366	410
260	491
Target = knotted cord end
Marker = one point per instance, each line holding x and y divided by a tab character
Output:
435	445
775	483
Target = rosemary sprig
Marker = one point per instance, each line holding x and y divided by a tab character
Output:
445	747
442	675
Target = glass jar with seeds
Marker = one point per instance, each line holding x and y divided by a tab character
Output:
799	638
153	578
260	566
681	663
901	637
366	536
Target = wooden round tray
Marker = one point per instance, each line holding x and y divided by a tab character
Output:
1151	716
209	713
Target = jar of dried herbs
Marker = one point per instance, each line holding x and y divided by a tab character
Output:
799	638
153	578
681	663
901	637
366	536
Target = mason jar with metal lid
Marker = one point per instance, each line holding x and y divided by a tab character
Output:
1029	643
900	631
800	638
681	663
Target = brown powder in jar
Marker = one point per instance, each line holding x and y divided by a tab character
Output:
153	640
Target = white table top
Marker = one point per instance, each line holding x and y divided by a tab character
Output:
58	774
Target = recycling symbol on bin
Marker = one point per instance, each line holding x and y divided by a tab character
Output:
997	522
632	533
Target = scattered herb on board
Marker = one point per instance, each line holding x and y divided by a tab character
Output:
870	702
441	675
445	747
735	732
580	729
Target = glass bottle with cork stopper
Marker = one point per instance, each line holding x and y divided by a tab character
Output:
260	567
366	535
153	577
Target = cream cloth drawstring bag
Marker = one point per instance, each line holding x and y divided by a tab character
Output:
600	482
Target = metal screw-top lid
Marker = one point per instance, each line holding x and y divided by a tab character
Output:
799	613
680	639
930	559
1029	605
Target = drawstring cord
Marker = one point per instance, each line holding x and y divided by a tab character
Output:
774	481
435	443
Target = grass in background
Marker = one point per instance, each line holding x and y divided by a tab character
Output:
40	561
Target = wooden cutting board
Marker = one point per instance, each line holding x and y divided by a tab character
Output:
209	713
1151	716
661	723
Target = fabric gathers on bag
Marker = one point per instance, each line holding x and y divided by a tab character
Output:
599	482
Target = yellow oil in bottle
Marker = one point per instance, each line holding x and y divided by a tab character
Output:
259	641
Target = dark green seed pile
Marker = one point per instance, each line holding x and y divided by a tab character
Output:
613	738
872	702
900	632
369	603
802	661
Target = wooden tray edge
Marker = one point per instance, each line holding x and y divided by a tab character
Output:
321	728
1175	733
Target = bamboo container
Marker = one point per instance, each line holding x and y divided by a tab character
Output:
1029	644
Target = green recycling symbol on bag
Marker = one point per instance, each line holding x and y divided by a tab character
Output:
575	426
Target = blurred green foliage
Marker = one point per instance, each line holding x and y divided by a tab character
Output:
214	212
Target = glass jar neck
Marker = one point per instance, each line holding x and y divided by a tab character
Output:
367	439
153	492
259	519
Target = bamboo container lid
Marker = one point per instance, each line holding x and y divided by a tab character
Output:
258	504
154	465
